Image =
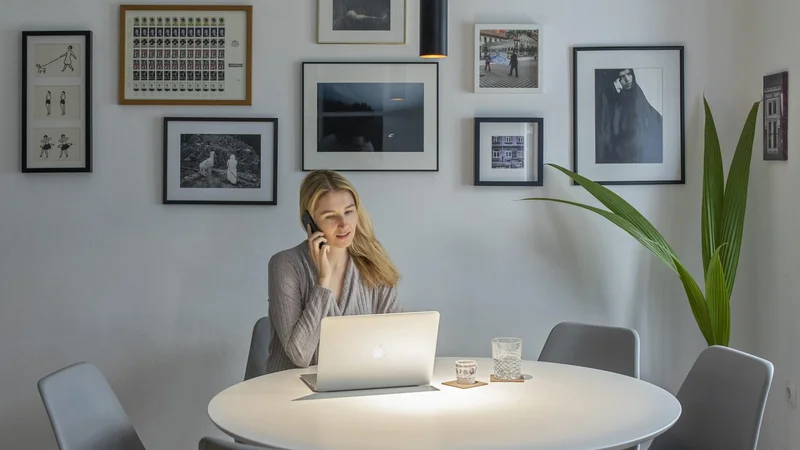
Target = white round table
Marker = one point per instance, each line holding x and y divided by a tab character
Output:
558	407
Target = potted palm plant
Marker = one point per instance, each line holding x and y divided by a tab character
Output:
723	211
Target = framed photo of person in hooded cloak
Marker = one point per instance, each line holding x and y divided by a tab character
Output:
628	114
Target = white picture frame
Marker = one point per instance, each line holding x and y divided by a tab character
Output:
370	116
505	44
361	22
56	101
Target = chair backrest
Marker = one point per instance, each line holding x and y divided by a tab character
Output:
723	399
259	350
84	411
209	443
613	349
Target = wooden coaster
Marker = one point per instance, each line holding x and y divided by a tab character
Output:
455	384
497	380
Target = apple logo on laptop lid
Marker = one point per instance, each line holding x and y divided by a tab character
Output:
378	352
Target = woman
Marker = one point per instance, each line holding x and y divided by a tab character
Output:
340	270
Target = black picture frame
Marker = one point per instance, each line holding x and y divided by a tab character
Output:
73	124
386	72
224	132
508	130
668	139
775	117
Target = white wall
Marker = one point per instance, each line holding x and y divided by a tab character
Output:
775	252
162	298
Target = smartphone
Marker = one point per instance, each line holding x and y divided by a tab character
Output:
309	222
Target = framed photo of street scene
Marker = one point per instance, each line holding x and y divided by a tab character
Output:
361	22
509	151
508	59
185	55
220	160
776	116
370	116
56	101
628	114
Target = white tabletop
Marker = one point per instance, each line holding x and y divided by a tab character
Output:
558	407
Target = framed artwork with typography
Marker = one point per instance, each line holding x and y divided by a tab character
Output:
361	22
508	59
371	116
776	116
56	101
509	151
220	160
185	55
628	114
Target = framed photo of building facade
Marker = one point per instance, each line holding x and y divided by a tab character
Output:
361	21
508	59
509	151
185	55
628	114
56	101
369	116
776	117
220	160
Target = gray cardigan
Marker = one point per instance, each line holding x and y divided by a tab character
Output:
297	305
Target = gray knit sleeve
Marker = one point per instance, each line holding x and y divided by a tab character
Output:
385	300
297	326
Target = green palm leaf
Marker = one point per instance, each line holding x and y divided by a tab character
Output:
697	303
719	308
735	200
662	253
713	188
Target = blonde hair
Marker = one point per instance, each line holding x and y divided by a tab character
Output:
372	261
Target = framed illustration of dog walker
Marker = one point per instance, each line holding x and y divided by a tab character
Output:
185	55
56	101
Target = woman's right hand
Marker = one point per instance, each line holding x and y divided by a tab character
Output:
320	256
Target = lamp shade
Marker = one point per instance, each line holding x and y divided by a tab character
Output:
433	28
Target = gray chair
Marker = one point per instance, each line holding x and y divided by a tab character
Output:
210	443
259	350
723	399
84	412
613	349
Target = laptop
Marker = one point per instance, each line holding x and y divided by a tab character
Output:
375	351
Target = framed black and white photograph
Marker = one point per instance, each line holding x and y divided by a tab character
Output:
776	116
361	22
220	160
185	55
56	101
509	151
508	59
628	114
369	116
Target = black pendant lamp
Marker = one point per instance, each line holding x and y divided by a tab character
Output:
433	28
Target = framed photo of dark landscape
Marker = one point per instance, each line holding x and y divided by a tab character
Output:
369	116
509	151
361	21
220	160
628	114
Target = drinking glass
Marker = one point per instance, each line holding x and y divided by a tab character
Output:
507	356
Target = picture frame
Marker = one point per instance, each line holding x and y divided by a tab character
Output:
628	114
220	160
56	101
191	55
509	151
508	58
776	116
370	116
362	22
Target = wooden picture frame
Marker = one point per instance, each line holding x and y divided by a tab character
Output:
56	102
370	116
149	65
509	151
622	88
220	160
